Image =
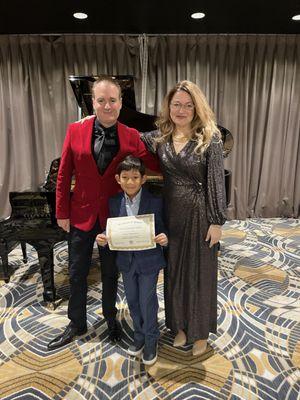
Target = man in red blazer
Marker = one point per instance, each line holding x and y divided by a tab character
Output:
92	149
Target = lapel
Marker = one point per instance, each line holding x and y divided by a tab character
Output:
86	140
123	145
88	132
123	139
144	203
122	206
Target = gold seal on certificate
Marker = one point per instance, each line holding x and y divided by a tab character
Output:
131	233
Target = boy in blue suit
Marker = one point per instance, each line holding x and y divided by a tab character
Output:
139	269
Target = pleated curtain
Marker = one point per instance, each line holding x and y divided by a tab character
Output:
252	82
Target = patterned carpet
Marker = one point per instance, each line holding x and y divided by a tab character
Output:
255	354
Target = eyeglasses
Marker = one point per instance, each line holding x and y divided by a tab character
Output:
179	106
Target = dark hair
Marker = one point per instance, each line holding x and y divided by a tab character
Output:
131	162
109	79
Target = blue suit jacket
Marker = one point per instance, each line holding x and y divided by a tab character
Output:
148	261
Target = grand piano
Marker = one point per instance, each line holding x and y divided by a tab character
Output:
33	219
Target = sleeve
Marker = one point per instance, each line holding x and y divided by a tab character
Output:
64	177
159	220
149	140
141	151
110	214
216	197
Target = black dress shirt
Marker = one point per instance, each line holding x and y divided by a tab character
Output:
105	145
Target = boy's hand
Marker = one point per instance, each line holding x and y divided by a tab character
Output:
161	239
101	239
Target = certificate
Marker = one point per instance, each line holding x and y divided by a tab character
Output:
131	233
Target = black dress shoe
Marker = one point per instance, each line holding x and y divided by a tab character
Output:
114	330
66	337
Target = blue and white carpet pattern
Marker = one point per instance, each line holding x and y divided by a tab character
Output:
254	355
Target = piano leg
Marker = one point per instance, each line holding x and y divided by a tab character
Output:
44	250
24	252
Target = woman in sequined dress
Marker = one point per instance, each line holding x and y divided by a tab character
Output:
189	148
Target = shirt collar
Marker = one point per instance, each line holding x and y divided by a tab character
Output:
135	199
99	126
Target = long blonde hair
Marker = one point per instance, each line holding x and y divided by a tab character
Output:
203	125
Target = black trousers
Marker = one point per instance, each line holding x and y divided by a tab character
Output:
80	256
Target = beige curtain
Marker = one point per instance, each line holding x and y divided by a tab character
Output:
252	83
37	102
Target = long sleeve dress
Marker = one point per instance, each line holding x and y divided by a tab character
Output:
194	194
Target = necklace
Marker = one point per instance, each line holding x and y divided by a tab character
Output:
180	139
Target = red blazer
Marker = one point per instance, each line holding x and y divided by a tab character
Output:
92	190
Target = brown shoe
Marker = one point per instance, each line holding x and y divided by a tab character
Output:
180	339
199	347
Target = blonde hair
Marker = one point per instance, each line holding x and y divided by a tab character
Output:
203	125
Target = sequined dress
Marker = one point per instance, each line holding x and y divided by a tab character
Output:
194	193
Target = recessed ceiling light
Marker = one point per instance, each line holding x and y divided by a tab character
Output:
198	15
80	15
296	17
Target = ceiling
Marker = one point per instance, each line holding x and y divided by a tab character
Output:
151	16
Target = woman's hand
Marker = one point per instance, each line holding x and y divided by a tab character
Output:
214	234
161	239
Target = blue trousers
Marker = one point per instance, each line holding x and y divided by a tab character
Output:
140	290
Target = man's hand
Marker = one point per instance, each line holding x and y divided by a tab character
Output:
161	239
214	234
64	224
101	239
